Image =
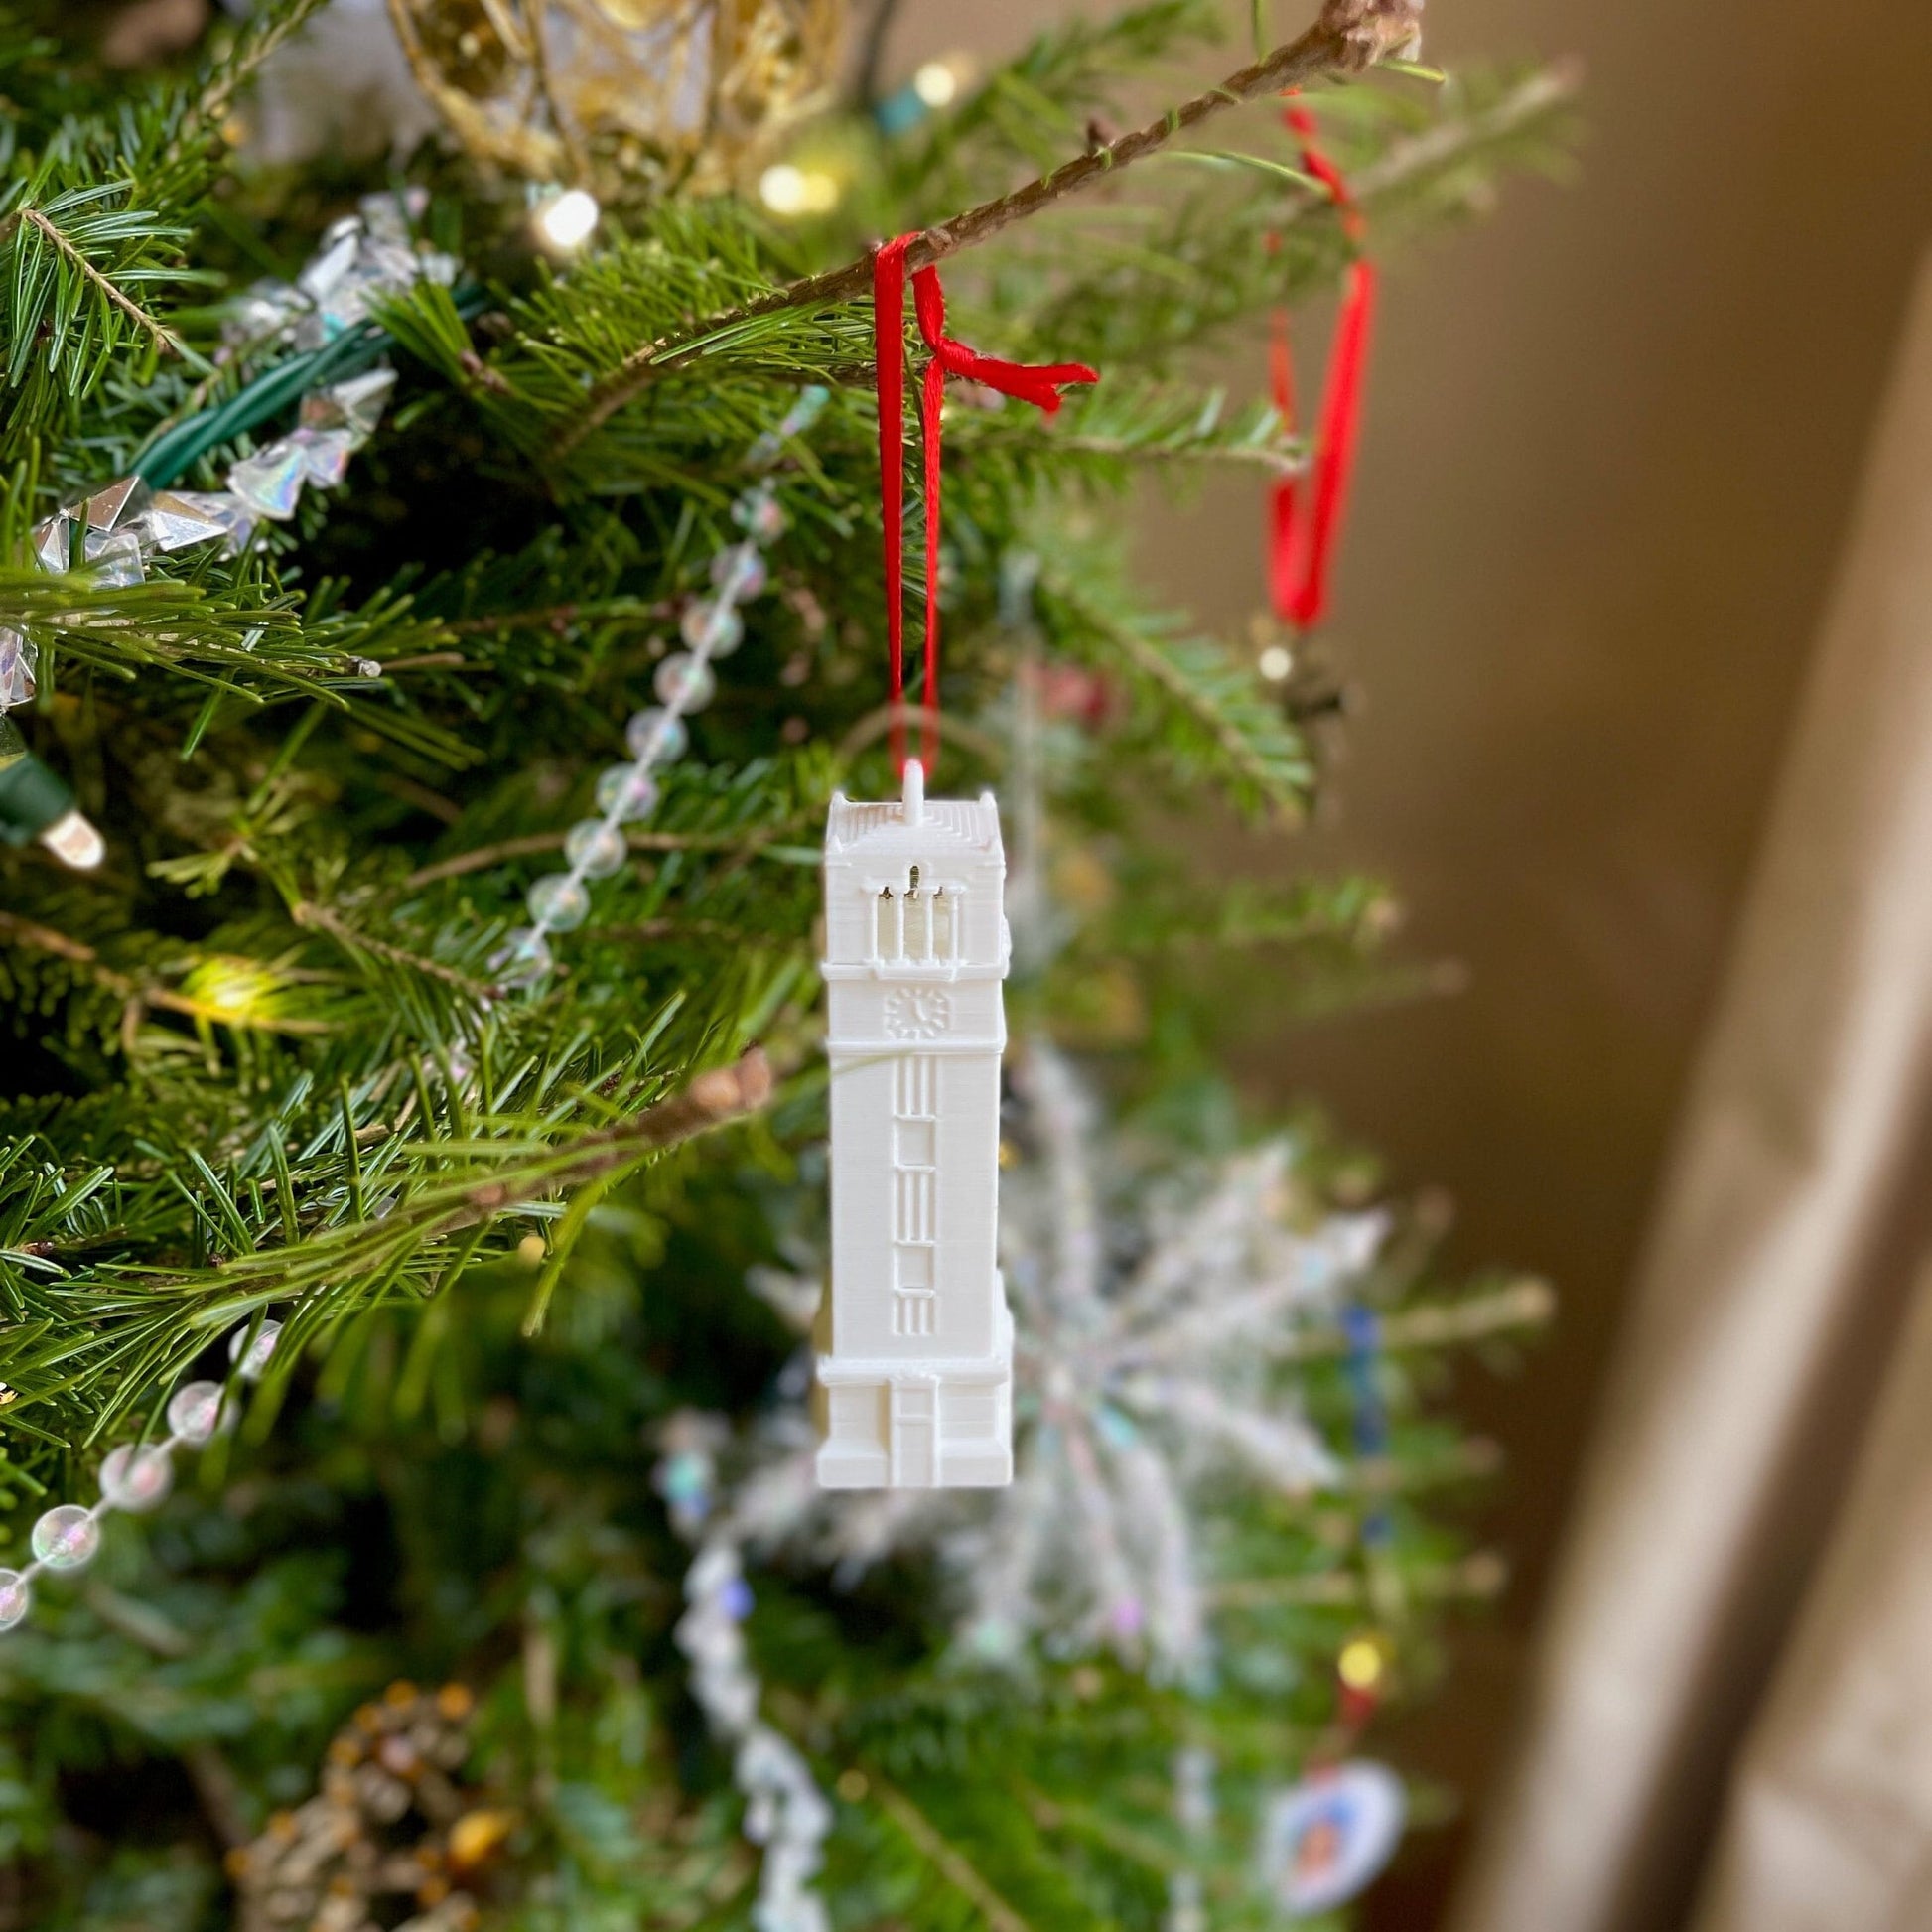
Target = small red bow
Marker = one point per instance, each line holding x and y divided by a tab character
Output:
1036	383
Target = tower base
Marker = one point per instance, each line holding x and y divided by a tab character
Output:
925	1424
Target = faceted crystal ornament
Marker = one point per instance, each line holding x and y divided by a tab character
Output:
120	504
706	625
656	735
325	454
260	311
269	483
54	542
523	959
341	242
387	216
179	520
595	848
252	1357
354	406
117	557
136	1477
195	1412
558	901
16	1598
18	659
234	518
66	1537
626	792
738	570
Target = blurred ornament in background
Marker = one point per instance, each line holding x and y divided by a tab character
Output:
341	87
934	87
1326	1837
1155	1329
594	92
391	1838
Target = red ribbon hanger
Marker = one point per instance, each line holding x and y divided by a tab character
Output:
1301	544
1036	383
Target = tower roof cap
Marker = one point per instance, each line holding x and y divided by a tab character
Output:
941	824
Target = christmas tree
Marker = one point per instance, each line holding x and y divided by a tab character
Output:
440	598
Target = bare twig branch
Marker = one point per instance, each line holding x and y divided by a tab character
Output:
481	858
881	718
947	1859
212	108
1342	42
319	919
1519	1304
138	993
1479	1576
560	616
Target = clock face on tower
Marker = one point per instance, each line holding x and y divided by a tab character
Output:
918	1013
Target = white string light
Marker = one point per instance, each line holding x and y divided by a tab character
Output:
789	189
564	222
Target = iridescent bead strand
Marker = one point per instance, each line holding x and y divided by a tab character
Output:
133	1477
685	682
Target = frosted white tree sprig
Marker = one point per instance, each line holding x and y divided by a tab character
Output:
1151	1337
785	1813
685	682
135	1477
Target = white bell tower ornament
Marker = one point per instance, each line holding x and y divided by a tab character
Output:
915	1344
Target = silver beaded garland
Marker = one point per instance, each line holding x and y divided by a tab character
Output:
684	682
135	1477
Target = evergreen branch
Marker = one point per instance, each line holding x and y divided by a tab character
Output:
560	616
348	1252
1224	721
144	993
1522	106
263	31
1067	1814
1275	462
483	857
1341	42
947	1859
319	919
1477	1578
881	718
1520	1305
33	218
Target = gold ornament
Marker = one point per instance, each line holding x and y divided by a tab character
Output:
390	1838
604	93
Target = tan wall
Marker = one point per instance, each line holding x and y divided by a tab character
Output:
1611	445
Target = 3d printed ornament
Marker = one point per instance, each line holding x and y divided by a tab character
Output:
915	1344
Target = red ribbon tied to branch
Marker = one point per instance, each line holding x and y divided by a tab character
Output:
1036	383
1302	546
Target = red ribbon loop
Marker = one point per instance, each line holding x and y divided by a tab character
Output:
1036	383
1302	548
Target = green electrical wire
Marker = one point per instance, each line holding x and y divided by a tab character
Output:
174	451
